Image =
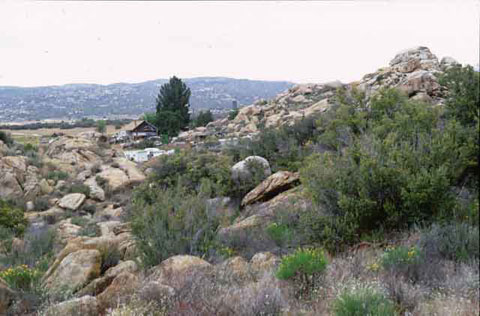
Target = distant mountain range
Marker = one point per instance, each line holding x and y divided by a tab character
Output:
75	101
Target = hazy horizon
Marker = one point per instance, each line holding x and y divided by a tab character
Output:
58	43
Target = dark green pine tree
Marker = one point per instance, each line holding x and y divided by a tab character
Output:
173	104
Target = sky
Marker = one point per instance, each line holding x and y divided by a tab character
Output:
59	42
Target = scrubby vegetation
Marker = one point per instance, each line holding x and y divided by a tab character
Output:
363	301
304	265
12	219
376	169
383	220
284	148
170	222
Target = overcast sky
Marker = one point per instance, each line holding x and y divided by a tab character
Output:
45	43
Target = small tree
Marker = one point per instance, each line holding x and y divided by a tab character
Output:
101	126
203	118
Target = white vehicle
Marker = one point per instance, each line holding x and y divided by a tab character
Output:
146	154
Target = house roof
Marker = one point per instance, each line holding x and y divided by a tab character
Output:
144	124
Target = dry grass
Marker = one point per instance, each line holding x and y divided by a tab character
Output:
32	136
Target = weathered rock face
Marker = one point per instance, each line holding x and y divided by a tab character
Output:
85	306
242	171
414	71
45	187
177	271
272	186
96	192
17	179
126	174
75	271
73	153
298	102
9	186
51	215
120	291
72	201
66	231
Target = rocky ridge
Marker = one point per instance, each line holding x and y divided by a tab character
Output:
414	71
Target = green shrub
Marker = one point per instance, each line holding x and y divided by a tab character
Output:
188	168
90	229
79	188
102	182
110	258
79	221
280	233
400	256
397	170
37	252
57	175
463	94
232	114
363	301
21	277
203	118
453	241
12	218
90	208
284	148
29	148
168	222
6	138
304	265
34	159
41	204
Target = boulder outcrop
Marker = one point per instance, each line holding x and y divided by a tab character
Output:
272	186
72	201
243	171
75	271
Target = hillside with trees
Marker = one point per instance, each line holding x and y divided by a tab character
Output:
121	100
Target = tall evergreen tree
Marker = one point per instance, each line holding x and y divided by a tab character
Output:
173	97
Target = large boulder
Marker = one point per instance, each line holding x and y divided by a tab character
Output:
448	62
243	171
52	215
413	59
272	186
9	185
96	192
99	285
124	173
45	187
75	271
420	81
31	187
179	271
85	306
66	231
73	153
131	170
120	291
72	201
13	172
